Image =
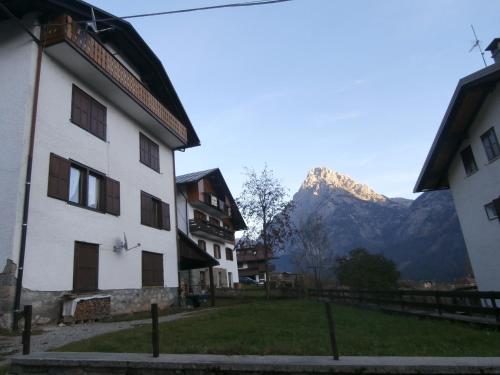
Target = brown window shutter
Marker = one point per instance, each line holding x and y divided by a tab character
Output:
98	120
165	216
86	267
112	196
146	209
81	108
152	269
58	177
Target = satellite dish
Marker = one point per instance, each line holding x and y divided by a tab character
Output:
123	244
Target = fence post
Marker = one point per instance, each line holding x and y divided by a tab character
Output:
438	302
156	332
28	312
331	326
497	310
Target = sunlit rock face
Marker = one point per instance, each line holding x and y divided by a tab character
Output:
422	236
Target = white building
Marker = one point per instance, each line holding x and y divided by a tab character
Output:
465	158
90	123
208	214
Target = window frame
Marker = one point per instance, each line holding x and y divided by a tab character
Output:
489	140
85	172
465	162
491	205
161	224
92	103
204	247
229	251
217	252
151	144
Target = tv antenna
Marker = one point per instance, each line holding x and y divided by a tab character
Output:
93	23
477	44
123	244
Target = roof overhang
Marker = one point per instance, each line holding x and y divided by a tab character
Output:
467	100
191	256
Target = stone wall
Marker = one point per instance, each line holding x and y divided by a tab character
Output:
47	306
7	292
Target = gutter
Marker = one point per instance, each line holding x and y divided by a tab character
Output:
27	189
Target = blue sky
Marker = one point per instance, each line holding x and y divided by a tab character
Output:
356	86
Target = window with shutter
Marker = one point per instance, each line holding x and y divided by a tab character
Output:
58	186
229	253
112	197
165	216
88	113
202	245
149	153
490	143
154	212
86	266
152	269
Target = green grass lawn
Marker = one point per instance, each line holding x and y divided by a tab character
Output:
299	327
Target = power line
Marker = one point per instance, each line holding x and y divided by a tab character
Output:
232	5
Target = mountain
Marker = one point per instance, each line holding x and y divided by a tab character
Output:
422	236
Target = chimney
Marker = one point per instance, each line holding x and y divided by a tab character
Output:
494	48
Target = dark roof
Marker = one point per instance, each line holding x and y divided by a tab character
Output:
218	182
492	46
127	41
466	102
193	177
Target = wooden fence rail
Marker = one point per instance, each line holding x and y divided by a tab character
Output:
462	302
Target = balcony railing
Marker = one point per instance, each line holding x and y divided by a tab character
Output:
64	29
197	226
214	202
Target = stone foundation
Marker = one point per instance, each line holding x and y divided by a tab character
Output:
47	306
7	293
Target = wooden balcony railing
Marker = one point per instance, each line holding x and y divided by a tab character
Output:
214	202
196	226
64	29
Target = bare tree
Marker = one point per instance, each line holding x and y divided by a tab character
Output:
314	251
267	210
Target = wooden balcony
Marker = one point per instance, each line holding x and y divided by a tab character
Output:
212	205
63	29
214	232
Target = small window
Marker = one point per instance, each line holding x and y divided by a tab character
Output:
490	143
468	161
229	253
198	215
217	254
202	245
214	221
149	153
88	113
154	212
491	212
203	280
152	269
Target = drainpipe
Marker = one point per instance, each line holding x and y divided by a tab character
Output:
26	203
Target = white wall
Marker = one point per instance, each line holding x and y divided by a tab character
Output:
471	193
228	265
18	55
55	225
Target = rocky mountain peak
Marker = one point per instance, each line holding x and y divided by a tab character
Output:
321	178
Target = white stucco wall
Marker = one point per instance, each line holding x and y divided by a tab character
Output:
228	265
472	193
18	54
55	225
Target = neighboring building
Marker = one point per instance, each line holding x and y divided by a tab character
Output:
252	262
465	158
89	124
208	214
